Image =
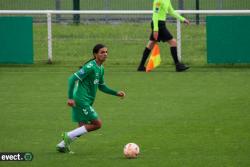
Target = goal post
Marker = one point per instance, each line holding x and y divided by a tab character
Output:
50	13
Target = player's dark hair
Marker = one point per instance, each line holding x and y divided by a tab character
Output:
97	48
95	51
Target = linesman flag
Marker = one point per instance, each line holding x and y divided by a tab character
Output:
154	59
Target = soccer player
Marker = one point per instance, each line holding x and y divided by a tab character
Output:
81	95
160	33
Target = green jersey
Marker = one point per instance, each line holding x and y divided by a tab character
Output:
84	83
160	10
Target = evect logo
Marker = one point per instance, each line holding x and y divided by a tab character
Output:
16	156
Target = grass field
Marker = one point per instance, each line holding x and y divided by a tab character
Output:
125	41
191	119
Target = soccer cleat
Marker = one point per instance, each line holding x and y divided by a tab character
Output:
141	69
181	67
67	141
62	149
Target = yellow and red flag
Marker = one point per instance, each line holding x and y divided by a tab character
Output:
154	59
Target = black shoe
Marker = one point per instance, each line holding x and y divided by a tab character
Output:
181	67
141	69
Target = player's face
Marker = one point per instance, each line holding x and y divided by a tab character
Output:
102	55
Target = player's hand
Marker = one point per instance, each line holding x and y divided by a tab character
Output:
186	21
156	35
71	102
121	94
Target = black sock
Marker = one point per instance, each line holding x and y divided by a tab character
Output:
144	57
174	54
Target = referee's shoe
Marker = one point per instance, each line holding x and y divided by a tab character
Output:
181	67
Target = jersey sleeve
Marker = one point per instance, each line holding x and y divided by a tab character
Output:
173	13
84	71
71	84
79	75
104	88
156	8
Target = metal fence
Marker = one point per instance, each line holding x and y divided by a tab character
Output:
120	4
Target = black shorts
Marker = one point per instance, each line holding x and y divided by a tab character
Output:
163	33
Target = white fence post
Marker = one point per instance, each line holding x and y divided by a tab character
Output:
49	38
179	39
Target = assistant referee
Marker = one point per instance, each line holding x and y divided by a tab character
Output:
160	33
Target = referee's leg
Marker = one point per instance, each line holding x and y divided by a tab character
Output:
173	48
145	55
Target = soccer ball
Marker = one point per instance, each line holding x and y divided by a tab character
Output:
131	150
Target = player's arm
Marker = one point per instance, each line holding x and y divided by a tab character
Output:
71	84
156	9
104	88
176	15
78	76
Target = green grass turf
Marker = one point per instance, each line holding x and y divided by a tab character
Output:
197	118
126	42
192	119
